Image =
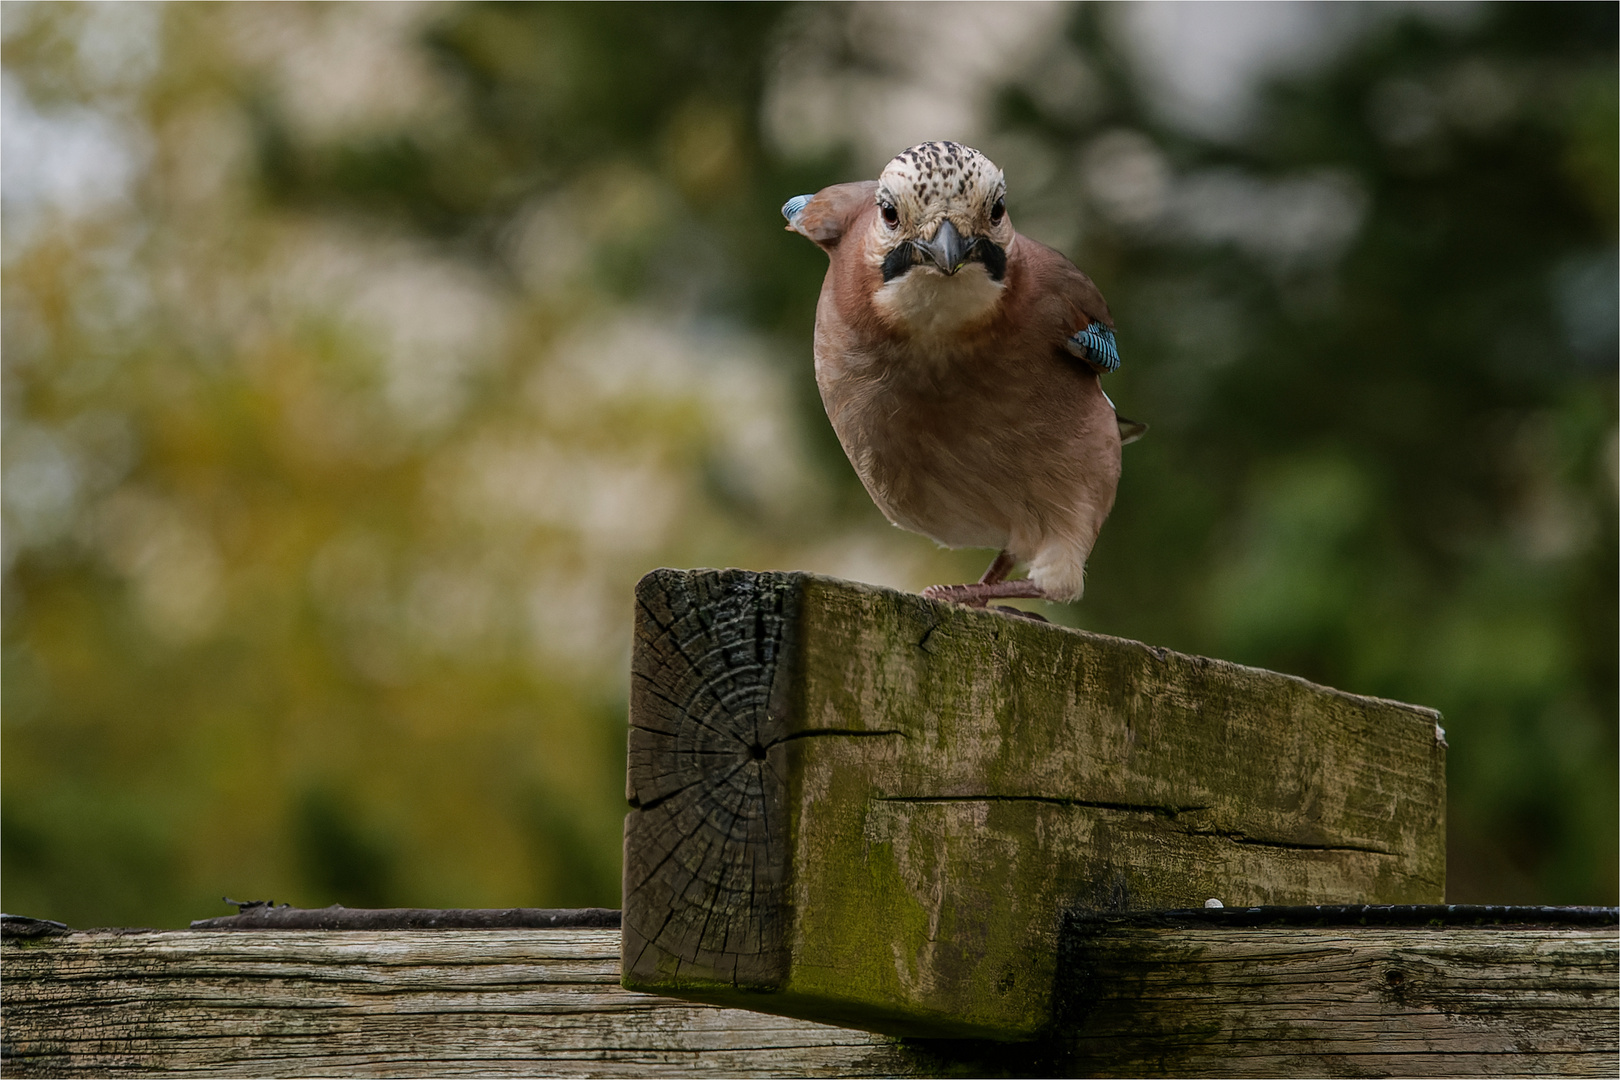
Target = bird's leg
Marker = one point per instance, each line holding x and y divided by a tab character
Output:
995	574
978	595
998	569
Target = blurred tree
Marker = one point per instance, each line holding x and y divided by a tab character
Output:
1377	332
339	429
390	344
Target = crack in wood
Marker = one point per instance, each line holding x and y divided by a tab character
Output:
1287	845
1171	812
857	733
1051	800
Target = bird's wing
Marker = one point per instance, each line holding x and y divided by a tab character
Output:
1076	309
1089	329
1095	345
825	216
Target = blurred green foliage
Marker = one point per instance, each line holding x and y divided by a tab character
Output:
1403	484
336	439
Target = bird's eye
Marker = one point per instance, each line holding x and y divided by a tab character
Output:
998	211
891	215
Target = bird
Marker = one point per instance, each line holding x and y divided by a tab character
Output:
960	364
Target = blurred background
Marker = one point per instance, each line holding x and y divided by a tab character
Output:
359	358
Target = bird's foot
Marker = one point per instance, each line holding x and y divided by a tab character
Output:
980	593
957	594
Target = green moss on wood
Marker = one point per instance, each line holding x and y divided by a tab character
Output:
956	779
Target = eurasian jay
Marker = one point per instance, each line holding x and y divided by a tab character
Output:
959	363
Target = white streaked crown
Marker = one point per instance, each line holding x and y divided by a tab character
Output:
933	179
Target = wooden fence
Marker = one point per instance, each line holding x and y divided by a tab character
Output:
874	835
1236	993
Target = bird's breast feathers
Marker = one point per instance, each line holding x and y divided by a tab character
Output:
927	304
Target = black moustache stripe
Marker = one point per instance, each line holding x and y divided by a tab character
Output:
899	260
994	257
905	255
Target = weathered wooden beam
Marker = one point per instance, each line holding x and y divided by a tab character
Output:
855	805
266	915
1138	997
1281	1000
379	1003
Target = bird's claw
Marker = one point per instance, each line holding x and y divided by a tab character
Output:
979	595
954	594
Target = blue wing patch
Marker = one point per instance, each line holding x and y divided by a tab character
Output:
795	206
1095	345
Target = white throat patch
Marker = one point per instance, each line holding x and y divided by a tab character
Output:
929	304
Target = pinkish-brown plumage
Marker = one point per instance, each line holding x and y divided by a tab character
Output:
957	396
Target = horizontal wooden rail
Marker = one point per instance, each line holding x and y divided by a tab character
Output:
266	915
1139	996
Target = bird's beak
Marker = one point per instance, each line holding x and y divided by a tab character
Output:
947	249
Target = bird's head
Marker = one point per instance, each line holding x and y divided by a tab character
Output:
941	208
